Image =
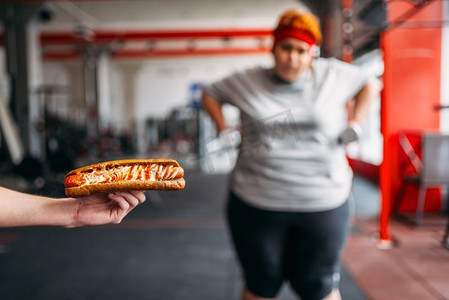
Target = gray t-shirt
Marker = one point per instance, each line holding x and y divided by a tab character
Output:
289	157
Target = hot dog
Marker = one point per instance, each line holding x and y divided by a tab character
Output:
124	175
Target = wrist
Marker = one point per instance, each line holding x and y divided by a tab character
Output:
221	128
63	212
72	205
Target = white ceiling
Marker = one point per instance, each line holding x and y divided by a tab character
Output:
167	14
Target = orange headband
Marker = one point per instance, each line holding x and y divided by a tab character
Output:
301	26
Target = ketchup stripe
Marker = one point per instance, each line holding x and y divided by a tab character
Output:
129	172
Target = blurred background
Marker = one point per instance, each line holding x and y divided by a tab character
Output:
89	81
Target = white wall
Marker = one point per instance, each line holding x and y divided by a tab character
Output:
120	101
164	84
58	76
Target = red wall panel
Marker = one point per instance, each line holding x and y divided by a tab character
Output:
412	57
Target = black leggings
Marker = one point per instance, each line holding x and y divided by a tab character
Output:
300	247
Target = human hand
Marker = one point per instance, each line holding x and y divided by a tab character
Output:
106	208
350	134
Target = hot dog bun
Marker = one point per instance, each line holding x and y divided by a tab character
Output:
124	175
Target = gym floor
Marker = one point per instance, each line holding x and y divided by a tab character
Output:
175	246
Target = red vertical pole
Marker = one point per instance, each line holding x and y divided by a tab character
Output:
386	166
348	30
